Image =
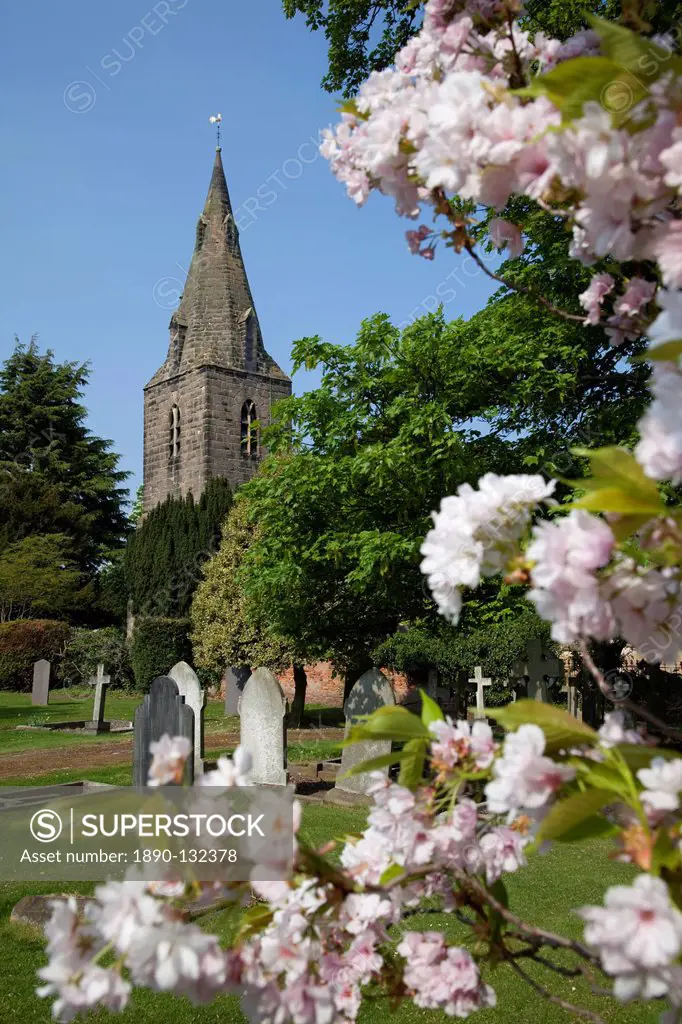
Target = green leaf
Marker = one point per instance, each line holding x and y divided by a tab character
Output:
638	755
254	920
388	723
374	764
561	729
590	828
633	51
602	776
567	814
668	352
431	712
395	871
666	853
412	768
589	80
618	485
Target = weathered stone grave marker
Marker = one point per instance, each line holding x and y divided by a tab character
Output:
480	681
189	687
371	691
262	728
163	711
235	678
42	672
100	682
538	668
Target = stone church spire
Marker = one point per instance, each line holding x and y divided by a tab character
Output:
216	322
205	405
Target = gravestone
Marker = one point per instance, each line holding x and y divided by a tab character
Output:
371	691
189	687
571	691
163	711
480	682
262	728
42	671
538	670
101	682
235	678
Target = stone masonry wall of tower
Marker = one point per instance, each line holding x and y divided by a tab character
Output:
216	363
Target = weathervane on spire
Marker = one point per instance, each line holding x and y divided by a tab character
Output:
217	119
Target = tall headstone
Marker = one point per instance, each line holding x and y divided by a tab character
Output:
189	687
101	682
480	682
371	691
262	728
235	678
539	670
163	711
42	671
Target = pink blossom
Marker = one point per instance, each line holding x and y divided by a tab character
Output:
523	777
168	761
456	742
443	977
503	232
638	932
502	851
668	251
566	589
592	298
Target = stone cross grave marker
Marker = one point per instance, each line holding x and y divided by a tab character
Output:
163	711
189	687
539	668
235	678
371	691
480	682
262	728
101	682
42	671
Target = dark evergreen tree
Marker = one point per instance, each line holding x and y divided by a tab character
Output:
56	476
165	554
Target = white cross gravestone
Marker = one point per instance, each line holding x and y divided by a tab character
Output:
539	669
571	691
40	694
189	687
100	683
262	728
480	682
371	691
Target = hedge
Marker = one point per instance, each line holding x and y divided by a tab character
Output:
25	641
157	645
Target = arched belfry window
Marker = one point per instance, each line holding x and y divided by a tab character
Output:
174	438
249	431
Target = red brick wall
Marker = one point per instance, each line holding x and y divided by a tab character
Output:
327	689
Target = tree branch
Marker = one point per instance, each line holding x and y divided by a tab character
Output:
522	289
563	1003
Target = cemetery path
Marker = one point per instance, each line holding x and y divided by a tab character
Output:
101	754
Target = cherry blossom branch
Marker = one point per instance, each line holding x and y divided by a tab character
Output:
626	704
523	289
563	1003
527	931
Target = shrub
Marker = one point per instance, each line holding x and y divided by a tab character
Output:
24	641
157	645
87	648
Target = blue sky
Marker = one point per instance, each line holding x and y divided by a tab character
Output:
107	159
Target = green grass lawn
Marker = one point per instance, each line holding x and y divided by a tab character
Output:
16	709
544	893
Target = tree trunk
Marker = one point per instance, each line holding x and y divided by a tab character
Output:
298	705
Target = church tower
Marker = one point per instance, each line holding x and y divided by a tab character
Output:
203	407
